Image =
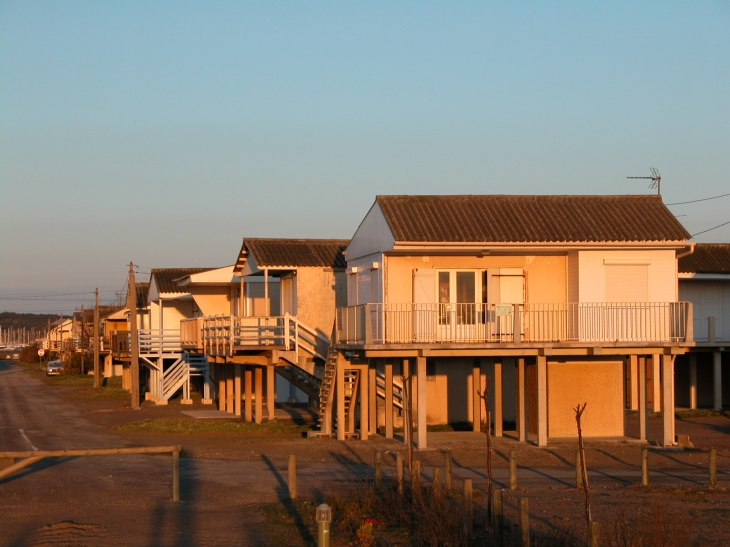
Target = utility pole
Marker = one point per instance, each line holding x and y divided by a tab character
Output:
134	349
97	381
82	346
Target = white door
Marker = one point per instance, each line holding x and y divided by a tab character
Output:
459	295
511	292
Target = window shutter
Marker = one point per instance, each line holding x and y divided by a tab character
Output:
424	286
626	282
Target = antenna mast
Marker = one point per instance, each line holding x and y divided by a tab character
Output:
656	180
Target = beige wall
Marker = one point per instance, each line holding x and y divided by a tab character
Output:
545	275
662	269
212	300
319	292
172	312
598	383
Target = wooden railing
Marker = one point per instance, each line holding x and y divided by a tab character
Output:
190	333
155	341
497	323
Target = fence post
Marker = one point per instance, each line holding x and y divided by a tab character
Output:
292	477
176	475
713	467
448	476
468	489
436	481
416	480
523	521
512	470
644	467
593	537
497	507
378	470
399	472
578	471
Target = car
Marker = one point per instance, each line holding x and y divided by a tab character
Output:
54	368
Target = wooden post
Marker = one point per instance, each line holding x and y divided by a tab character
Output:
271	392
593	538
259	397
643	391
421	433
498	515
644	467
134	349
542	404
399	472
176	475
378	470
237	390
448	464
416	480
578	470
713	467
498	404
692	380
292	477
97	368
512	470
436	482
523	521
476	380
373	397
656	383
521	401
340	392
364	403
222	384
388	399
230	386
248	402
468	491
633	374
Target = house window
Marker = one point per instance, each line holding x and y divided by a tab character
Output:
626	282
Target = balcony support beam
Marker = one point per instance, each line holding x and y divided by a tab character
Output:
692	380
271	392
388	399
542	402
340	382
476	402
248	403
222	397
259	375
521	401
717	380
237	390
498	402
633	374
373	396
656	383
643	406
230	388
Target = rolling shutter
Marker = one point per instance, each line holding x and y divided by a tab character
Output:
626	282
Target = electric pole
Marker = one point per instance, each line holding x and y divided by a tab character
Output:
97	374
134	346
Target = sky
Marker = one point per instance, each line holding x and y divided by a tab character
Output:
162	133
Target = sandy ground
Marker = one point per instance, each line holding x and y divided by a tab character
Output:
228	480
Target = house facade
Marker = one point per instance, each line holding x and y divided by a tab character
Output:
523	306
703	375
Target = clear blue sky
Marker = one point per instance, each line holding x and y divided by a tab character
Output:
164	132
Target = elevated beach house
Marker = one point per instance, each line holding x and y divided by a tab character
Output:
523	305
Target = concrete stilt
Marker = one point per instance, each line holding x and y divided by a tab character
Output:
248	403
542	424
643	390
668	400
521	401
271	392
656	383
340	382
373	397
498	403
633	370
717	380
476	380
692	380
364	403
237	390
259	397
421	437
388	399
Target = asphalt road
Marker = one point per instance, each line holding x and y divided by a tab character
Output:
126	500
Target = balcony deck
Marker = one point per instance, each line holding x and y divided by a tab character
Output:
489	326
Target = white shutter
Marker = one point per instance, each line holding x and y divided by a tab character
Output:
626	282
351	289
363	286
511	286
424	286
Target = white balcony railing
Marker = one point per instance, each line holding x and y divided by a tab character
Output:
498	323
155	341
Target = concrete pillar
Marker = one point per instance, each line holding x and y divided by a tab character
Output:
521	413
643	391
633	373
237	390
476	380
259	397
692	380
271	392
717	380
656	383
248	406
421	437
542	418
498	403
373	397
668	400
364	403
407	404
340	382
388	399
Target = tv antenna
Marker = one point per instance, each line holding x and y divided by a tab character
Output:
656	180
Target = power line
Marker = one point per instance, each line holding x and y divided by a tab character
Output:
697	200
710	229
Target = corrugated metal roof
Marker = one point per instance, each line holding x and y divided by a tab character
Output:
708	258
292	253
143	290
166	278
522	219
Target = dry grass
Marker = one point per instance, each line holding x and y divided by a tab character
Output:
189	426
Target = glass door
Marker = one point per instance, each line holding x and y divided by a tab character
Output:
457	305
